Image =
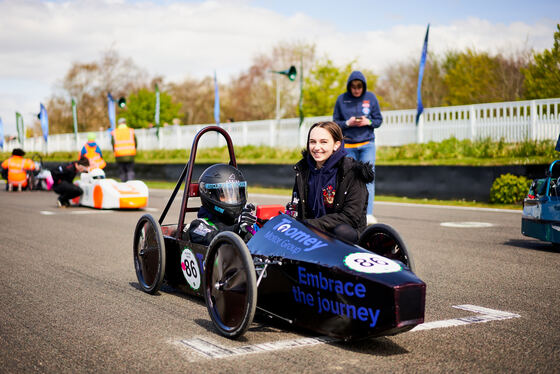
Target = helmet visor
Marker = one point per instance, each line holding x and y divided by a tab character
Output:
227	192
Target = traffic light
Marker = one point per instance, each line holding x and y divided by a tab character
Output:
290	73
122	102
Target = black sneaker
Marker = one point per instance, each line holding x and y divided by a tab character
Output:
62	204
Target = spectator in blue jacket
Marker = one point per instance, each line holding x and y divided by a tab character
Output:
357	113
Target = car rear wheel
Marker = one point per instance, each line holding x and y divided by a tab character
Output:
149	254
385	241
230	285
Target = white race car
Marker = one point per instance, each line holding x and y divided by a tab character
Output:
102	193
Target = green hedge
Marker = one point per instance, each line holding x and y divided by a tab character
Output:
509	189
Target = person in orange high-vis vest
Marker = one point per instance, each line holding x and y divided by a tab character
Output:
124	147
92	152
15	169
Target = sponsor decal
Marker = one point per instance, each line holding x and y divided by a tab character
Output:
225	185
190	268
292	238
371	263
324	304
202	230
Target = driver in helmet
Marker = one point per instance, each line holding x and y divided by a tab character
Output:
223	193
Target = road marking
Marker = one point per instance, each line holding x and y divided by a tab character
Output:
89	211
466	224
50	213
209	349
213	350
485	315
436	206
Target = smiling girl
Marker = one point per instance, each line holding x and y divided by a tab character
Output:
330	187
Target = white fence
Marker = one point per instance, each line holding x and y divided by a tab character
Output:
511	121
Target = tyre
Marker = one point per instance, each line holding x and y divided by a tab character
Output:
149	254
230	285
385	241
32	182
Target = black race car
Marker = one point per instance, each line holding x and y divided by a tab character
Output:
287	270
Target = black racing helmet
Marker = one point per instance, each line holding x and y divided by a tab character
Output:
223	191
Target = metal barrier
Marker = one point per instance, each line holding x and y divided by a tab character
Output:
511	121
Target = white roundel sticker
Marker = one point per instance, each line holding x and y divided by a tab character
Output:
190	268
371	263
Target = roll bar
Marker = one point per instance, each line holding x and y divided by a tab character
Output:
191	189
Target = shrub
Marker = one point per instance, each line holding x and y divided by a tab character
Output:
509	189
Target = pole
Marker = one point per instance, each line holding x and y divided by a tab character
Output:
301	92
156	115
277	98
75	120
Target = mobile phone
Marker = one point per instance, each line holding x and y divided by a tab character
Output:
358	117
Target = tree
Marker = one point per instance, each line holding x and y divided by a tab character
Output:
89	84
141	106
252	94
542	76
196	98
469	78
325	83
509	74
398	86
473	77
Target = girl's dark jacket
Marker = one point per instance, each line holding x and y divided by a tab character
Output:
350	201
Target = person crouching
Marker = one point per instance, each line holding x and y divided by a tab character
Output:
63	177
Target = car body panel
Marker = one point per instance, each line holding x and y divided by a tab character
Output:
315	281
102	193
541	208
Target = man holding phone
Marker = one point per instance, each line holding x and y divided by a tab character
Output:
357	113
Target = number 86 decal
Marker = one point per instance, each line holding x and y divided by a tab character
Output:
190	268
371	263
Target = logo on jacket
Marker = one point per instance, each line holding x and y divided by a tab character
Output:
328	196
365	107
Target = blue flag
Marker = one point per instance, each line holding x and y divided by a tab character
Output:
111	107
44	122
1	134
419	106
216	100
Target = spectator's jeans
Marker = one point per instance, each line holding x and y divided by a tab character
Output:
126	171
366	153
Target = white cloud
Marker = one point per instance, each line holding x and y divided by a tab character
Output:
39	41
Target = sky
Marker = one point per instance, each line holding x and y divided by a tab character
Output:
39	40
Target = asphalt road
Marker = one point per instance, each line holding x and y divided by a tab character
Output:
70	301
